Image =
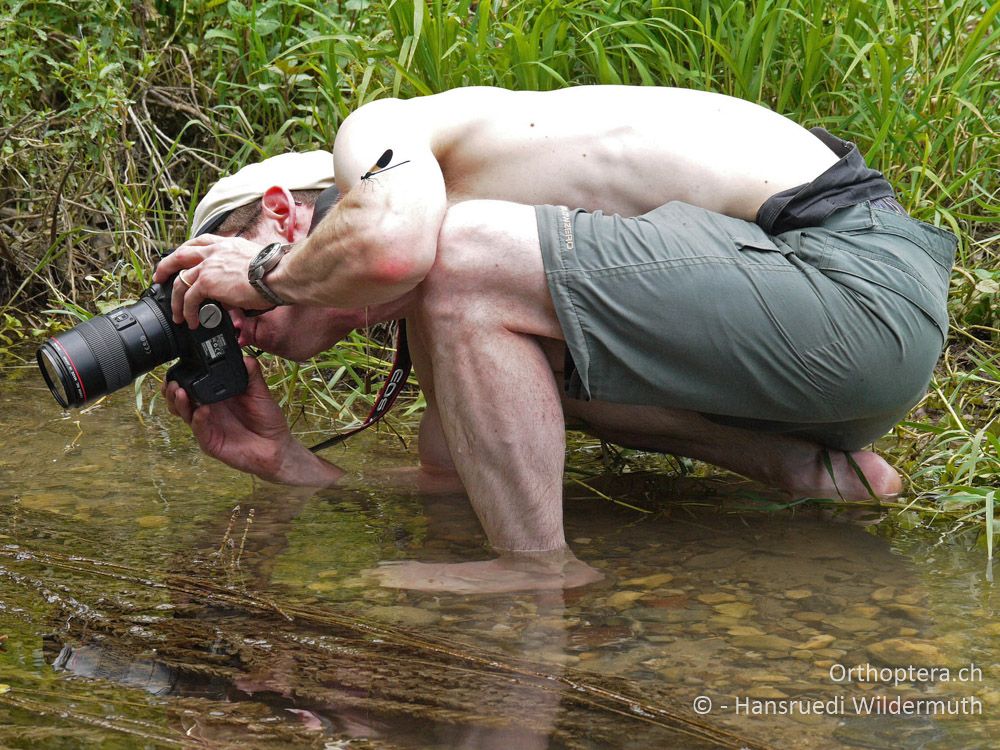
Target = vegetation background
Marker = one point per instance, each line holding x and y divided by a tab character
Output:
117	114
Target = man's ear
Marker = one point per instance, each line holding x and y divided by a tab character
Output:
278	205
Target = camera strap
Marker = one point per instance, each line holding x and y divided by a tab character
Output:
387	394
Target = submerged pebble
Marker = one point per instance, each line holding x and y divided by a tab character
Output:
623	599
403	615
734	609
907	651
322	586
744	630
853	624
798	594
651	581
884	594
819	641
717	597
764	643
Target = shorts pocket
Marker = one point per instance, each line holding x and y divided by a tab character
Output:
938	244
868	263
746	234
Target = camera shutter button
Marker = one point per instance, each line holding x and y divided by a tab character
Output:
210	315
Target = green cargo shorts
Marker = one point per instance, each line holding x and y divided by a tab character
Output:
828	332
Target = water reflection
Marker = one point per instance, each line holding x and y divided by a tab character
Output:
352	679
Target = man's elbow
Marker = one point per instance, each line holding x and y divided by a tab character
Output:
396	271
401	257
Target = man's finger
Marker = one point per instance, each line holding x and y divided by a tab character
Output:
205	429
179	259
193	297
202	239
184	281
244	326
182	403
256	386
168	396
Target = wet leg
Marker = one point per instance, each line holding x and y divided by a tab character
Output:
480	316
483	307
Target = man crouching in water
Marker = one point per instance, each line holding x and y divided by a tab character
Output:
680	271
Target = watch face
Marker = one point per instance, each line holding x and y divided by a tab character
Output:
268	257
262	263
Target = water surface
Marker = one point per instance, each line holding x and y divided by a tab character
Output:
154	598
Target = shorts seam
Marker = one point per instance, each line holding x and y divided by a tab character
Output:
945	234
672	263
588	387
554	257
926	244
833	240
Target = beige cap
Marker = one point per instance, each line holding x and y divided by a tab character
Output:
310	170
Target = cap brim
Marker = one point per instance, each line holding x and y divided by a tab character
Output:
212	225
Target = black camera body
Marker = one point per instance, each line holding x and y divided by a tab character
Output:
210	365
109	351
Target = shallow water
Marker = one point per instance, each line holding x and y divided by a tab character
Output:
142	610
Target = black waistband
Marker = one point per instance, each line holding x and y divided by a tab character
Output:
848	182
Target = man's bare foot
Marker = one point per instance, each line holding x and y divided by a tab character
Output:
814	479
515	572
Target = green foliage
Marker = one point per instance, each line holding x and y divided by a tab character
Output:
118	114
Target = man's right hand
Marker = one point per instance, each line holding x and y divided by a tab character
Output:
295	332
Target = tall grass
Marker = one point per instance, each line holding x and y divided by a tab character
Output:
117	115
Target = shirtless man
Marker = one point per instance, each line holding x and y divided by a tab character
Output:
653	309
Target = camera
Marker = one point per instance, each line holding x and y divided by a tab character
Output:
109	351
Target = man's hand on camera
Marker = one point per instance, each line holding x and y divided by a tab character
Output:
213	267
295	332
249	433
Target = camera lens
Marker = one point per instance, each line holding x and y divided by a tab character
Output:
54	375
107	352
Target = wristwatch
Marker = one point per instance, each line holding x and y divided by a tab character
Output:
265	261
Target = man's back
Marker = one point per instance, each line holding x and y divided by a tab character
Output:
620	149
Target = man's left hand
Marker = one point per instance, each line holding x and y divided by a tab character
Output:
215	268
250	433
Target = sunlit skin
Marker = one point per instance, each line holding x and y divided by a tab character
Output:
449	241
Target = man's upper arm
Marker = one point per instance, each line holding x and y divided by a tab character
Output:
369	131
402	198
380	239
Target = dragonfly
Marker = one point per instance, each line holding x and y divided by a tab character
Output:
382	165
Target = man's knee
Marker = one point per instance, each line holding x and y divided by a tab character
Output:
473	231
462	250
451	287
482	248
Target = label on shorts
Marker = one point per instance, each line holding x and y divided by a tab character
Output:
566	230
